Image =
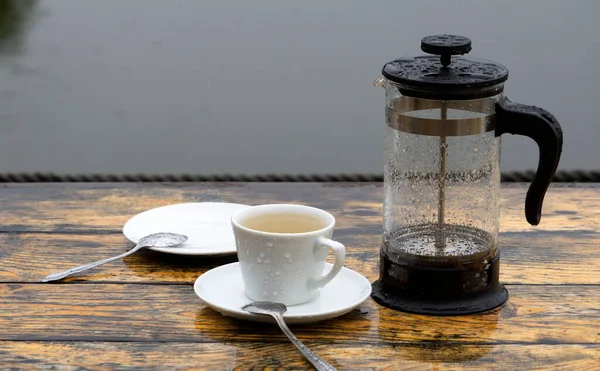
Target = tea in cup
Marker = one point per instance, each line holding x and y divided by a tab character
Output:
282	250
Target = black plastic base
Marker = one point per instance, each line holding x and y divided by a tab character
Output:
411	304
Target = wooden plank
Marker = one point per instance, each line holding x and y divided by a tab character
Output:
30	257
527	258
120	312
282	356
100	207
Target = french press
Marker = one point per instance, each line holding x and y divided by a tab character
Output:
445	116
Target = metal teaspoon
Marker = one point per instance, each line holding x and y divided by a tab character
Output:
154	240
276	311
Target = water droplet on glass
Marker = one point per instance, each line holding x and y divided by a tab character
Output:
258	260
270	244
277	273
275	293
262	254
287	255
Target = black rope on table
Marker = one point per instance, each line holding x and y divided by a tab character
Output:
52	177
565	176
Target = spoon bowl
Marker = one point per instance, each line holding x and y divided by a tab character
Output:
265	307
163	240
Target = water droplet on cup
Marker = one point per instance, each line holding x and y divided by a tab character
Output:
270	244
277	273
262	254
258	260
287	255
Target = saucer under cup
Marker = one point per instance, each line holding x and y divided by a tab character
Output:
222	289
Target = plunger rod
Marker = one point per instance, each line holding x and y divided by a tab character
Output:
440	235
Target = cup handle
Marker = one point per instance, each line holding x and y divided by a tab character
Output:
340	255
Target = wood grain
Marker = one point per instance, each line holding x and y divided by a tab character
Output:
282	356
106	207
527	258
121	312
562	250
141	312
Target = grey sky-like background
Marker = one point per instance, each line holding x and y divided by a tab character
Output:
262	86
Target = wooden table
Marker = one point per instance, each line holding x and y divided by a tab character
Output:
141	312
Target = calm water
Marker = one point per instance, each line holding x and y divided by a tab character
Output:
264	86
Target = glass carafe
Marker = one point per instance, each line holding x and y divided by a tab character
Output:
444	119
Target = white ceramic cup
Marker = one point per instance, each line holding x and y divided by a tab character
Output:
285	267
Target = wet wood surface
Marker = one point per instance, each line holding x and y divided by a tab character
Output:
142	313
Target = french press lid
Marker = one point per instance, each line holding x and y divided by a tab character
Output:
442	76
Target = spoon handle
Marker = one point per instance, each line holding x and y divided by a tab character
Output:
81	268
319	363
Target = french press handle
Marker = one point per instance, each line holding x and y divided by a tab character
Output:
541	126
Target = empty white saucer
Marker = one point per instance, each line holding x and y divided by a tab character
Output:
222	289
207	225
